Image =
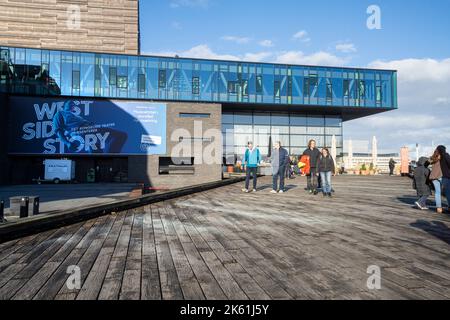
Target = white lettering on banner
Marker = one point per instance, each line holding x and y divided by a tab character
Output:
49	111
90	142
38	130
151	140
88	138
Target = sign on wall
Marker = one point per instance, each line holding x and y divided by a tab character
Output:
71	127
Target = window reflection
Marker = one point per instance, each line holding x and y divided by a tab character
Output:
293	130
33	71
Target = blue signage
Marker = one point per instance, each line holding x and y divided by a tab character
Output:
71	127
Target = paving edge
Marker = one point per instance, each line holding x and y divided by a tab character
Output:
34	225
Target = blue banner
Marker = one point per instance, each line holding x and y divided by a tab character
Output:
70	127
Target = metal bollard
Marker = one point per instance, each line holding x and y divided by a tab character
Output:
34	206
24	206
2	211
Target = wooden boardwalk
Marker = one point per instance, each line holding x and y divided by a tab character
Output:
223	244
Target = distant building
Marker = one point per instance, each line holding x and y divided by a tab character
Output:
380	161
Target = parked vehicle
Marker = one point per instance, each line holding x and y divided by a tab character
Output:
58	171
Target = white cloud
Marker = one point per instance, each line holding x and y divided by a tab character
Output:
189	3
424	107
266	43
285	57
319	58
205	52
442	101
346	47
412	70
301	36
257	57
238	40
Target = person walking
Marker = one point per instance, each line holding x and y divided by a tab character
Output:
392	164
436	178
421	183
312	179
445	167
326	169
252	158
279	161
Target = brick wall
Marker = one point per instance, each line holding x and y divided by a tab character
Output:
109	26
146	168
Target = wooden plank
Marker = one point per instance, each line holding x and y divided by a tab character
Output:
208	283
54	284
28	291
89	257
94	280
131	283
150	286
113	279
170	285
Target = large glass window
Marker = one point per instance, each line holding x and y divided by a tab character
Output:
196	85
293	130
141	82
34	71
277	88
329	90
379	95
76	80
122	82
113	76
245	88
87	75
259	84
232	87
346	88
66	73
162	79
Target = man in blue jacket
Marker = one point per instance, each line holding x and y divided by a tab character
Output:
251	160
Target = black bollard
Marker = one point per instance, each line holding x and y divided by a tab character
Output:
24	205
2	211
34	206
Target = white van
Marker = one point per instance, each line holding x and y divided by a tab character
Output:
57	171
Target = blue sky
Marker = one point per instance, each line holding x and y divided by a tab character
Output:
414	39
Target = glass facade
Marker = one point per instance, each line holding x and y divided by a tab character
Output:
49	72
294	130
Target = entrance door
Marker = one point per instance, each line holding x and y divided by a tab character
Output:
111	170
104	171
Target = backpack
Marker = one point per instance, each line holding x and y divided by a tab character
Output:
305	164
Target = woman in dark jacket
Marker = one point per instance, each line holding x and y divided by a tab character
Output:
445	167
422	183
313	153
326	169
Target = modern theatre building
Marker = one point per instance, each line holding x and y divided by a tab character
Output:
136	118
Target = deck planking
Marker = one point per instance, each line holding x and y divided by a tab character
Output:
222	244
